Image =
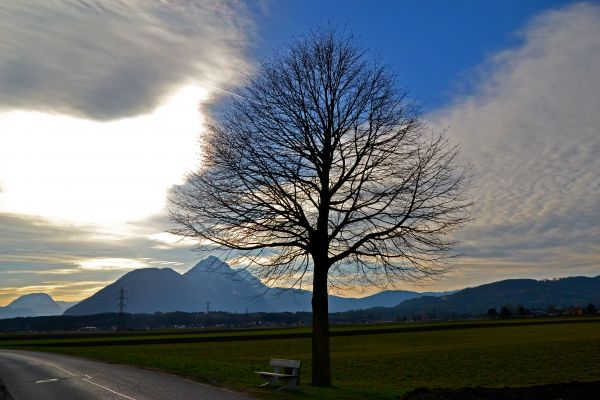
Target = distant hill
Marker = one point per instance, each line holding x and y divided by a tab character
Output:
33	305
300	300
575	291
211	280
388	298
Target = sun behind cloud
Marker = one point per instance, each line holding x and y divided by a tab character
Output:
80	171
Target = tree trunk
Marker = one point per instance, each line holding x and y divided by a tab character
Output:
321	364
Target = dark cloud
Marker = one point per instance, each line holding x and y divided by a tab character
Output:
109	59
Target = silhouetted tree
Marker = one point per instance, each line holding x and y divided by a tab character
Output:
321	172
504	312
492	313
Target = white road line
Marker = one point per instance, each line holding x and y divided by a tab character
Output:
46	380
87	377
110	390
41	362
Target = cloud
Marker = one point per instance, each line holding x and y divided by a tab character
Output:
532	133
168	240
110	59
33	250
59	290
88	171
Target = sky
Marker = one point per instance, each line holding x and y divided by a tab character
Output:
102	105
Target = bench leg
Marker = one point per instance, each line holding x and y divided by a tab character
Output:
292	384
271	381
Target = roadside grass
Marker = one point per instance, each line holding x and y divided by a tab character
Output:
379	366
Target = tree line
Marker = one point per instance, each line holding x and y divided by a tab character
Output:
509	311
217	319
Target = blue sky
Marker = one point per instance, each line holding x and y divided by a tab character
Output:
103	103
432	44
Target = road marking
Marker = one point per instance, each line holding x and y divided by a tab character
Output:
87	377
110	390
46	380
41	362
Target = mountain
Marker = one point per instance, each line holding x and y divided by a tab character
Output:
33	305
227	289
211	280
574	291
147	290
388	298
151	290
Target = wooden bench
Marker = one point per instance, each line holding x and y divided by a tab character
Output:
286	371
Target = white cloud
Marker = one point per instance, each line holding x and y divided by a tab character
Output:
532	132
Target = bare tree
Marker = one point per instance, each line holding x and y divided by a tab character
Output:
321	170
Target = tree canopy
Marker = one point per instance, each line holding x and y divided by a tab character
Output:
322	171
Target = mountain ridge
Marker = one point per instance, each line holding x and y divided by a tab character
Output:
226	289
213	283
530	293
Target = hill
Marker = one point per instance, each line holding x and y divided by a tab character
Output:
530	293
33	305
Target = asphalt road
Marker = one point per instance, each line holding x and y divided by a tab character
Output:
31	375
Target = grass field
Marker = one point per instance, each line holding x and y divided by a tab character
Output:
382	365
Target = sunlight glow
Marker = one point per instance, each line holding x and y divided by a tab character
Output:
59	290
171	240
86	172
110	264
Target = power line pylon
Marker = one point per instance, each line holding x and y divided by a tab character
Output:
121	306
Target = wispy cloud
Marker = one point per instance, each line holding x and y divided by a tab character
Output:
45	272
119	264
168	240
531	132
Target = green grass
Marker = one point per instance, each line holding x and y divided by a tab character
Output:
379	366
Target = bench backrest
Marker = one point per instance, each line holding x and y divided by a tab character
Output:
291	367
278	362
